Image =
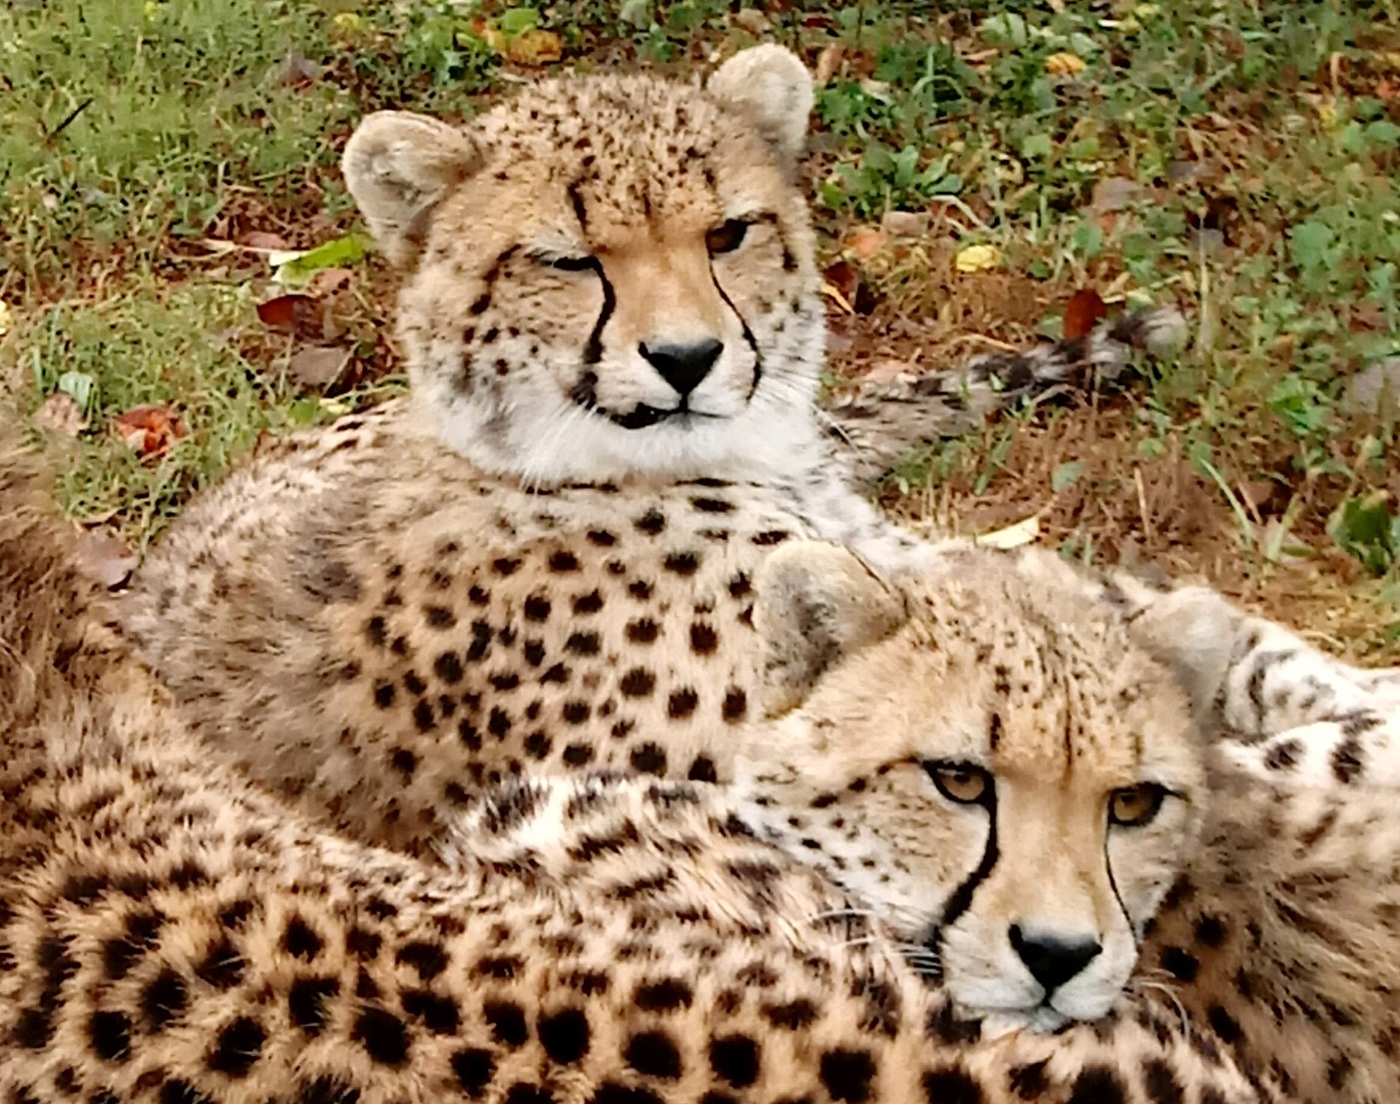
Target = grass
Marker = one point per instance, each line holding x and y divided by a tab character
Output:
1238	157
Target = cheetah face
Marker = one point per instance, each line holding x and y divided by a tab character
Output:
988	766
607	276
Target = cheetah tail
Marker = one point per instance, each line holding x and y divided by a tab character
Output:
47	607
880	423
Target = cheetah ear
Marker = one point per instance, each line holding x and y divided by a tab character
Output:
770	87
816	604
398	165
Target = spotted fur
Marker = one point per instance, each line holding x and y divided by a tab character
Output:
378	625
169	933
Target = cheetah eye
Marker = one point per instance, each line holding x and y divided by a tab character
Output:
727	237
569	264
960	782
1135	806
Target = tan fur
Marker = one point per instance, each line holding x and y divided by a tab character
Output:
169	934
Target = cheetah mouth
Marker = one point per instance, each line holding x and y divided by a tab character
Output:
643	416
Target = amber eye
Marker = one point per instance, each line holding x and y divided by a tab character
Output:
1135	806
726	238
960	782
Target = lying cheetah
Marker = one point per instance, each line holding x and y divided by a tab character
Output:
169	933
611	317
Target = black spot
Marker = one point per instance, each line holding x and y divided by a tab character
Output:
770	538
1223	1024
736	705
601	538
591	602
538	745
563	561
498	724
578	755
576	712
537	608
583	643
951	1086
448	668
522	1092
474	1068
505	565
384	695
383	1035
794	1016
238	1047
1346	760
427	958
110	1035
1284	754
702	770
404	761
1161	1083
363	944
643	631
1180	963
683	564
652	522
507	1023
564	1035
637	683
653	1054
681	703
735	1059
703	639
663	996
712	505
438	1013
611	1093
648	758
222	966
164	999
181	1092
439	617
847	1075
1211	931
1097	1085
306	1002
300	940
119	955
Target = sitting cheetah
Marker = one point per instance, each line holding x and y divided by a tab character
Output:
612	320
171	934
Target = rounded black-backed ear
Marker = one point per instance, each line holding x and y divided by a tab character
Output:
398	165
816	604
770	87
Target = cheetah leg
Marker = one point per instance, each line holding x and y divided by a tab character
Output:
879	424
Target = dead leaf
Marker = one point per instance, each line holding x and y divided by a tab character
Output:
318	367
753	21
828	62
290	312
535	46
887	370
905	224
977	258
1065	65
103	558
843	282
1258	493
1082	312
150	430
865	242
1113	193
61	413
327	281
262	239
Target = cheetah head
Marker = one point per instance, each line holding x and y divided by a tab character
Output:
985	760
607	275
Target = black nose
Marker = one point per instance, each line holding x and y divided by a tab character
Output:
1052	961
684	366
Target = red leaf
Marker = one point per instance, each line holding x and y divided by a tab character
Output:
150	429
287	312
1083	310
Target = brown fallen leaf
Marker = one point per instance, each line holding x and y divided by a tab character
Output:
535	46
828	62
150	430
290	312
262	239
61	413
317	367
1082	312
865	242
905	224
103	558
844	283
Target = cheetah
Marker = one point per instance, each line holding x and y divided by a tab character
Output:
543	562
172	933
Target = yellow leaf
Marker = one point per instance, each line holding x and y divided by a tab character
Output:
535	47
348	22
977	258
1064	65
6	318
1013	536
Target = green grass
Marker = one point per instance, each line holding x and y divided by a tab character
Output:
1261	141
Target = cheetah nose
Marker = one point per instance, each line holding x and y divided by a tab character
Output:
1051	960
683	366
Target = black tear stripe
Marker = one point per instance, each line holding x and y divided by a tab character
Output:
580	209
1113	885
488	280
748	335
593	350
961	899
